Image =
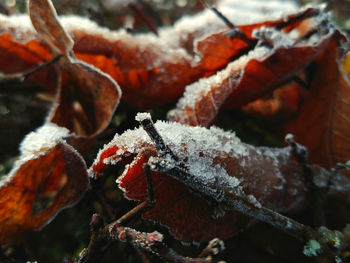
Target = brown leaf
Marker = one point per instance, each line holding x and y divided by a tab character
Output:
45	21
322	124
49	176
87	97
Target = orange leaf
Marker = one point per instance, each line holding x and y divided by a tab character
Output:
283	102
49	176
83	104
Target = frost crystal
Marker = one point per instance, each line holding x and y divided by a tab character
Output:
46	136
196	148
35	144
142	116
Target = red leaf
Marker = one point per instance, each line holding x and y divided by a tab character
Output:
214	159
322	124
49	176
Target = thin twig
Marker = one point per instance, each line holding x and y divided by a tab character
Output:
235	32
141	14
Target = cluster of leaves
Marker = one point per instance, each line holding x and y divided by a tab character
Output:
207	183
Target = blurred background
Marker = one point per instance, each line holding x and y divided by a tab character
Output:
21	111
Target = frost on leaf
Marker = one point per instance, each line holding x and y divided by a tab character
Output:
279	54
146	67
48	176
322	124
215	162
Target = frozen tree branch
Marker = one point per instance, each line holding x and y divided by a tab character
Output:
150	242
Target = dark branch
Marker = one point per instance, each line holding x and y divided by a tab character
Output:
235	32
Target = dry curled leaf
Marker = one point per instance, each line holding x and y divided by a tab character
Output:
48	176
87	97
215	162
82	104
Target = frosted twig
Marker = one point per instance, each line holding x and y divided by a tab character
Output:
148	125
144	206
299	17
341	166
151	242
238	200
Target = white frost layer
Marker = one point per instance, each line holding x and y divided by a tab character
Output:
46	136
19	26
22	30
237	11
167	45
195	91
141	116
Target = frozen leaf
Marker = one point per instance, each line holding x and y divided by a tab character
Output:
48	176
83	104
215	162
280	55
322	124
148	67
